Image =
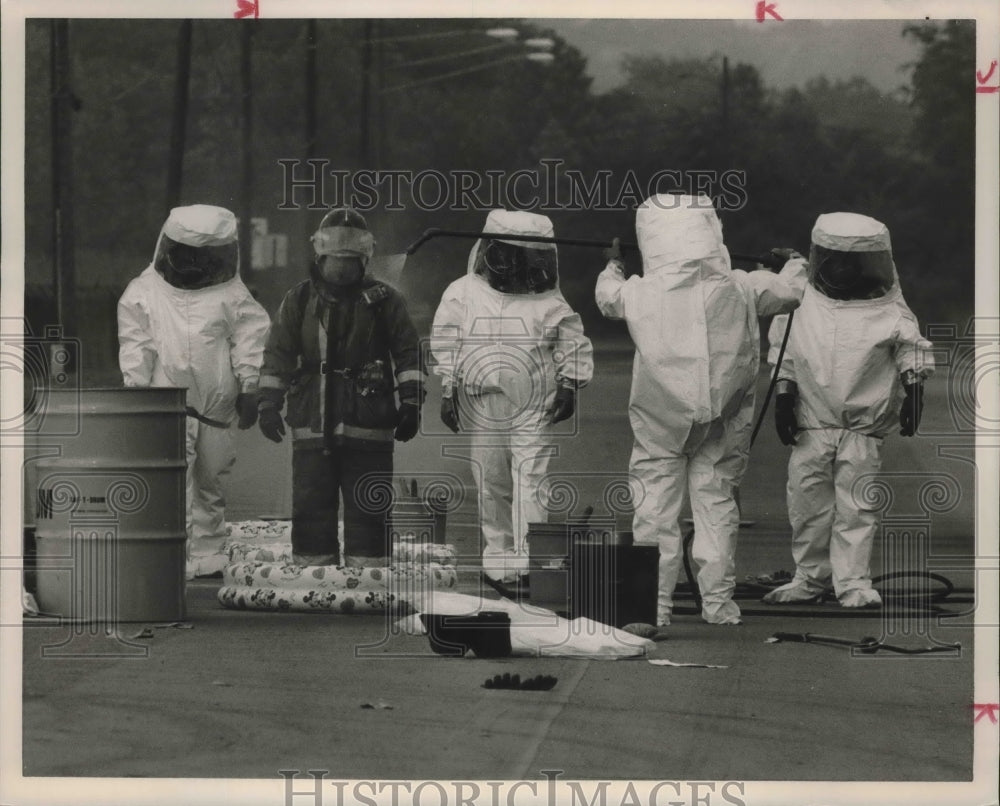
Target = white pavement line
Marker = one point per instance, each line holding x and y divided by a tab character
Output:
561	694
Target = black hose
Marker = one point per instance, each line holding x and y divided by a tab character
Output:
867	645
774	379
751	591
937	596
755	591
453	233
686	556
798	611
769	260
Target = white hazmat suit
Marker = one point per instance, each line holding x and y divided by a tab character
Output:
508	357
208	338
693	320
848	358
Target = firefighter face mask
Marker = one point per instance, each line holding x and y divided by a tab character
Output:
340	271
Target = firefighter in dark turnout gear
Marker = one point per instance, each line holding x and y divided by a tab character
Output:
341	346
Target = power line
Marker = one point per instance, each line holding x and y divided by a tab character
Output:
454	73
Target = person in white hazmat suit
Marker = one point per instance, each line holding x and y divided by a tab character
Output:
189	321
855	357
511	354
693	320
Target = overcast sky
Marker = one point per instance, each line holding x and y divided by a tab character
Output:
786	54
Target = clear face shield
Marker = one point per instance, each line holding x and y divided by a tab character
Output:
191	267
516	269
851	275
342	253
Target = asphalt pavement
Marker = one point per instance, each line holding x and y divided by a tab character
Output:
245	695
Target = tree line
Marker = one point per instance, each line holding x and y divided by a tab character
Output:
444	98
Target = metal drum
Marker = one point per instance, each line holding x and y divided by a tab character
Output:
110	508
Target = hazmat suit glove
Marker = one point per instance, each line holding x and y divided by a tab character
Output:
271	424
613	255
246	409
563	406
785	422
912	410
407	422
449	413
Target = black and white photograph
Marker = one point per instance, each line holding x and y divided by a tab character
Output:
445	404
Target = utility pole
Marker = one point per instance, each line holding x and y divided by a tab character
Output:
366	94
381	140
725	112
304	223
62	105
724	155
311	101
178	129
246	144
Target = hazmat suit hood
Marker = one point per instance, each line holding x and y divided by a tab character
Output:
848	355
681	235
513	266
198	247
851	258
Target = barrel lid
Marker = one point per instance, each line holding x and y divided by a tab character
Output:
129	389
112	400
111	463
